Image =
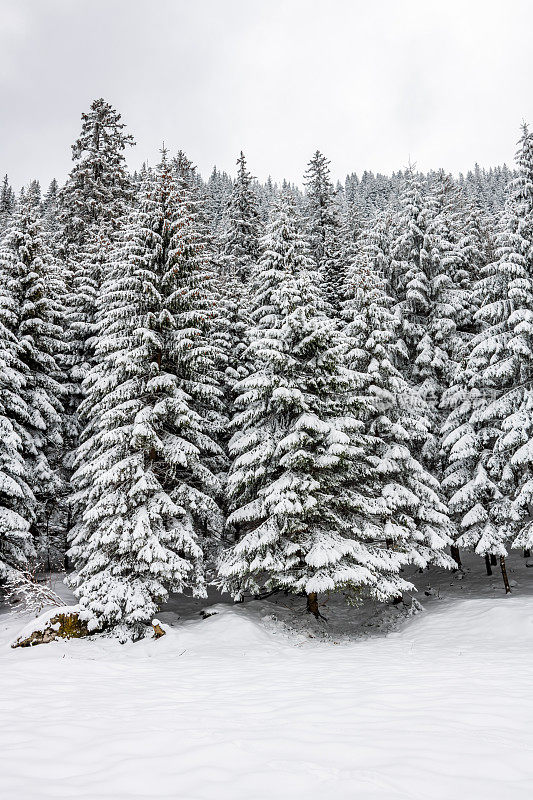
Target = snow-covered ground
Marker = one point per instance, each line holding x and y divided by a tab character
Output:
258	702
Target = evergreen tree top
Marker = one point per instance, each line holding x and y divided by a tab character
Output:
99	186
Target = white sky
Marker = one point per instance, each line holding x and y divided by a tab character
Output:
372	83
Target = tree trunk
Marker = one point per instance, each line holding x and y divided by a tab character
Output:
527	553
66	560
493	559
454	552
504	575
487	564
397	600
389	544
312	604
48	561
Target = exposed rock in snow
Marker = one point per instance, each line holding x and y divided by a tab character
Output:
55	623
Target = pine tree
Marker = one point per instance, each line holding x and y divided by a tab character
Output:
230	330
409	269
50	209
301	482
325	229
242	225
460	442
196	271
414	521
33	194
98	187
449	307
7	202
92	206
497	474
146	491
17	501
352	227
374	250
28	269
93	202
516	260
319	204
219	188
266	194
429	279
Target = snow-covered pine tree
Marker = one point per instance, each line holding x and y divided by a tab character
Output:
7	202
414	520
98	186
33	194
92	205
50	209
352	226
460	442
239	248
488	436
241	225
146	493
463	442
449	305
218	189
28	270
409	282
230	330
320	194
266	194
324	224
195	266
301	485
516	443
373	252
481	512
501	360
427	277
479	528
93	202
17	501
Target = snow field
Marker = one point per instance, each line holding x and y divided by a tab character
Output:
227	708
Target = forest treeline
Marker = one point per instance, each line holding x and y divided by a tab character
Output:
257	385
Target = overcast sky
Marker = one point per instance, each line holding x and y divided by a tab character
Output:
371	83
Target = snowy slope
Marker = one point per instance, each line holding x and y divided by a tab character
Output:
234	707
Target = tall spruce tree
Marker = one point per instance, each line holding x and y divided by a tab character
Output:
219	188
414	520
487	432
325	231
449	307
93	201
301	482
7	202
146	490
92	205
501	362
429	281
17	501
196	272
33	321
242	225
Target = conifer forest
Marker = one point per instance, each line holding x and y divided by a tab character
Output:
266	478
261	387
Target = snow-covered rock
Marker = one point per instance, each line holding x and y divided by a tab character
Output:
62	622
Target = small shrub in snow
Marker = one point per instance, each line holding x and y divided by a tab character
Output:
24	592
